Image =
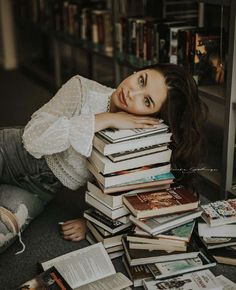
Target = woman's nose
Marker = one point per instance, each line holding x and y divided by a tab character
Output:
135	93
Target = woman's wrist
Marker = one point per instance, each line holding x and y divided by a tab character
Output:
103	121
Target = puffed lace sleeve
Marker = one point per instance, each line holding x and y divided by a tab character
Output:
60	124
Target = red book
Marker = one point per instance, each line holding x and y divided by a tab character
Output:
172	200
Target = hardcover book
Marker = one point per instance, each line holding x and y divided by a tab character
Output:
226	255
120	177
217	242
155	226
192	281
107	148
142	257
119	135
220	212
169	269
88	267
149	204
106	166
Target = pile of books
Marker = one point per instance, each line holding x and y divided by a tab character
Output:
123	162
162	243
217	230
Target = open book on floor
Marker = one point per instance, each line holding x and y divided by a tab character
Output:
85	267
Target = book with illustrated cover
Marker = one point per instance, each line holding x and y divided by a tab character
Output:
169	269
191	281
150	204
119	135
157	225
106	166
88	267
49	279
107	148
130	175
163	180
220	212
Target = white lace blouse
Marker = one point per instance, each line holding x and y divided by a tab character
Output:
62	130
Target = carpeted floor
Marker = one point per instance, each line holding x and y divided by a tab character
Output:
20	97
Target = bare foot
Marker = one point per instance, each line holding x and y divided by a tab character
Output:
74	230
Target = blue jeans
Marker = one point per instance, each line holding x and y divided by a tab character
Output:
26	184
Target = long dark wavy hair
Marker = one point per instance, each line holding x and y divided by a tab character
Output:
185	113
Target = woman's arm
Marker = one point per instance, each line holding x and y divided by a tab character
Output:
123	120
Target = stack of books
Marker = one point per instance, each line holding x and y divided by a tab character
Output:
123	162
162	243
217	230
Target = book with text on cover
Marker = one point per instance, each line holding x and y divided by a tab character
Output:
119	135
106	166
50	279
130	175
87	266
191	281
107	148
155	226
221	212
163	270
150	204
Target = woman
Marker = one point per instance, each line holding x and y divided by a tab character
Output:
58	138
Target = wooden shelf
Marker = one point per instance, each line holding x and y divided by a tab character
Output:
216	2
215	93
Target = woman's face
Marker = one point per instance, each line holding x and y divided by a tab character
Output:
142	93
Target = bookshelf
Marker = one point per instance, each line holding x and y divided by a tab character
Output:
62	48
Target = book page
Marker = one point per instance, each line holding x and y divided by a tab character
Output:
83	266
116	281
226	283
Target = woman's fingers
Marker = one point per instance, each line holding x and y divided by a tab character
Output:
73	230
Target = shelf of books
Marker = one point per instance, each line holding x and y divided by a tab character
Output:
216	2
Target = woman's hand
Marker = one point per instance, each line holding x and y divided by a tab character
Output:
123	120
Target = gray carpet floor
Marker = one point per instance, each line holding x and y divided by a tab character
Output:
20	97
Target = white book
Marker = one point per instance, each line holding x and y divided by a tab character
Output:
205	230
111	213
106	166
129	176
87	265
107	148
226	283
119	135
192	281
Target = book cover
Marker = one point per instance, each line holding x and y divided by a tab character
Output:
224	231
49	279
174	268
118	135
149	204
155	226
192	281
218	242
220	212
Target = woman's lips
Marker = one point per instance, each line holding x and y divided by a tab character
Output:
122	98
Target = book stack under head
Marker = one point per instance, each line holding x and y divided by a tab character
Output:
123	162
217	230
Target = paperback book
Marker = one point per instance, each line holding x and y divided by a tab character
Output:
157	225
150	204
217	242
220	212
165	270
88	267
224	231
191	281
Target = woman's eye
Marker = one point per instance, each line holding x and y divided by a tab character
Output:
141	81
147	102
